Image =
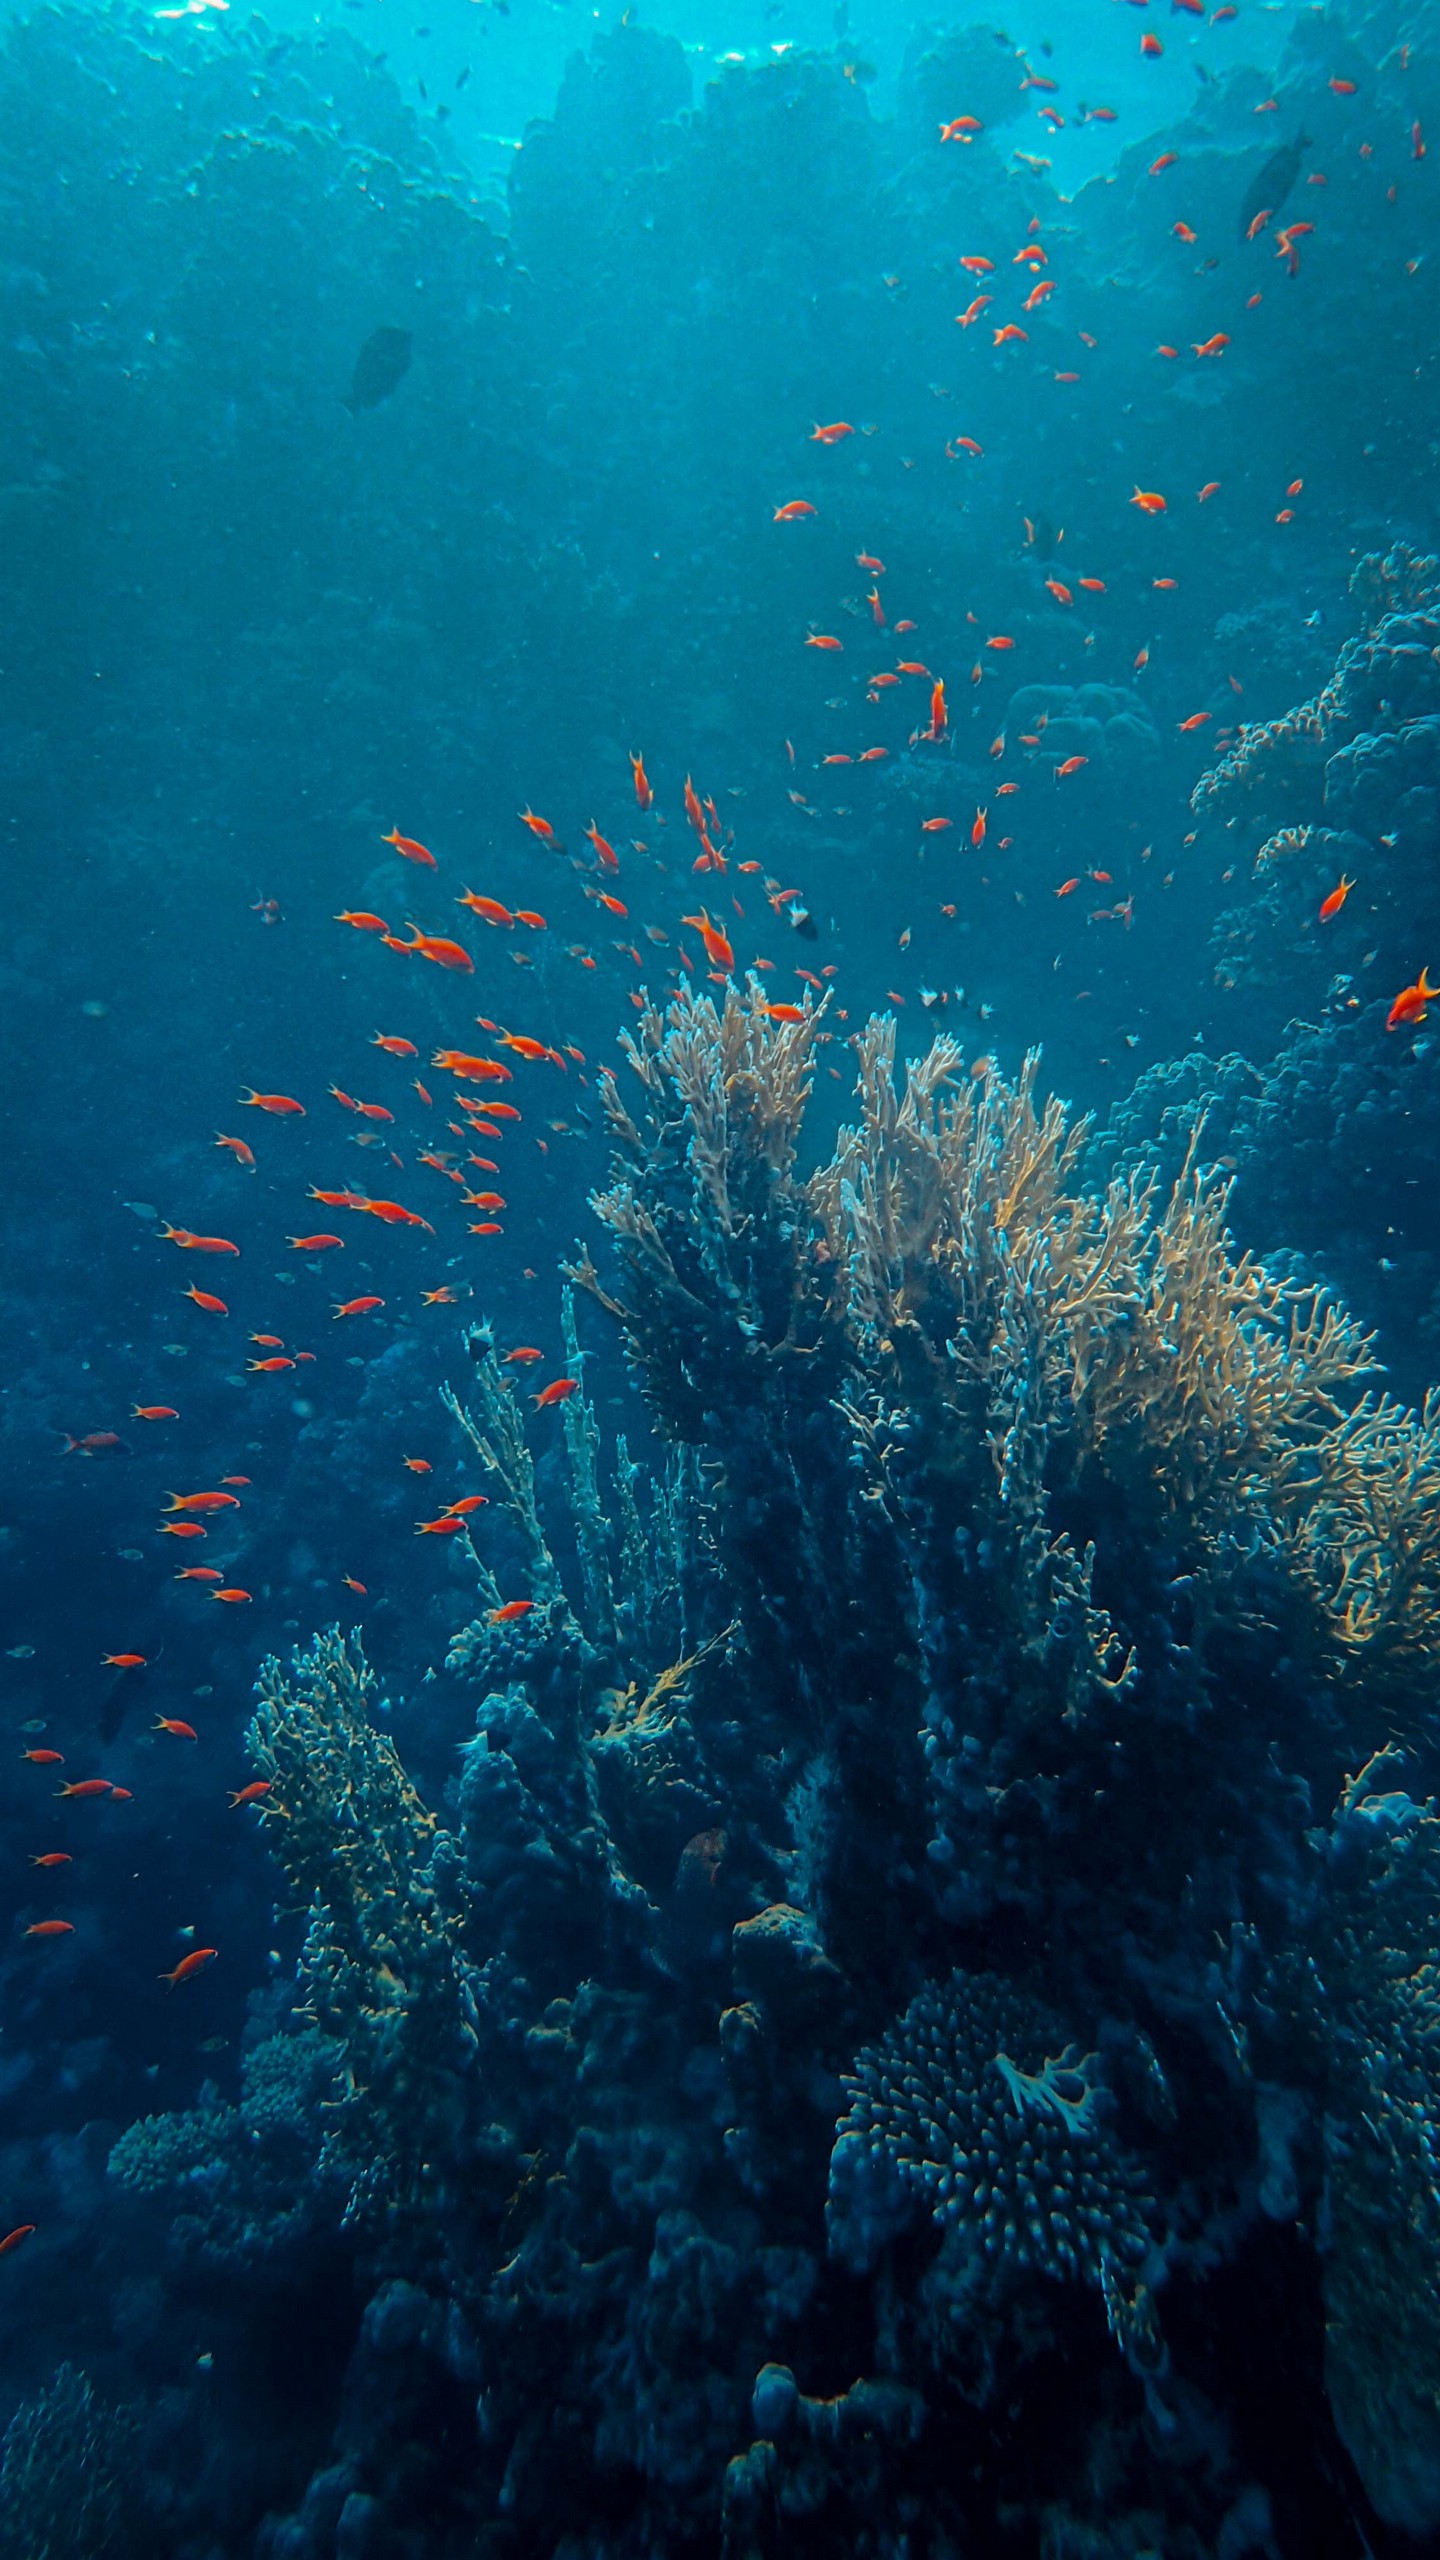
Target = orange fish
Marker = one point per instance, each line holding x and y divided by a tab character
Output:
540	827
1196	720
822	640
358	1307
175	1724
1166	160
527	915
238	1150
1151	46
1332	905
487	1227
609	859
203	1501
935	826
509	1611
558	1392
444	1527
939	720
1012	329
967	319
265	1368
13	2238
153	1413
411	851
198	1573
1149	502
253	1794
282	1105
1207	492
436	947
362	920
471	1069
489	908
195	1962
52	1858
961	129
1182	231
1212	346
1000	640
1071	764
832	435
718	949
1417	141
45	1759
978	266
85	1787
977	832
523	1357
180	1529
784	1012
467	1503
51	1929
867	560
190	1243
233	1595
1093	586
315	1244
1059	591
643	792
397	1048
783	515
1409	1005
525	1045
123	1661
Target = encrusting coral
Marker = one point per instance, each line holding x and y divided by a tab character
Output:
904	1791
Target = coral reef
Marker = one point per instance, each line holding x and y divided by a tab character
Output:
68	2486
882	1938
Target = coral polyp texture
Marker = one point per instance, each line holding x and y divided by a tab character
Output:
883	1934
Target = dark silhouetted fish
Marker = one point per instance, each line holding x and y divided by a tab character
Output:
1267	192
380	368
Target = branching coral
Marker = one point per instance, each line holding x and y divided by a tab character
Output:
68	2477
1025	1563
975	2108
383	1968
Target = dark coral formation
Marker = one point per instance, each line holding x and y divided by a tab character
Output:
883	1937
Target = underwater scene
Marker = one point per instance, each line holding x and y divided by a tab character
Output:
720	1547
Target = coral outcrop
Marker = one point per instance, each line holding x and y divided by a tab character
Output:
884	1934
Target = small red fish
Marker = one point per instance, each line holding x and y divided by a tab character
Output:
234	1596
255	1793
783	515
832	435
52	1858
202	1501
13	2238
359	1307
643	793
153	1413
525	1354
191	1243
411	851
1332	905
85	1787
281	1105
175	1724
51	1929
1149	502
45	1759
437	947
194	1963
315	1244
509	1611
362	921
558	1392
122	1661
398	1048
238	1149
1410	1004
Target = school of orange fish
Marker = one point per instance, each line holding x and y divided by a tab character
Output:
481	1115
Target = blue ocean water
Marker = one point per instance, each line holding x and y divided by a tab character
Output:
718	1574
